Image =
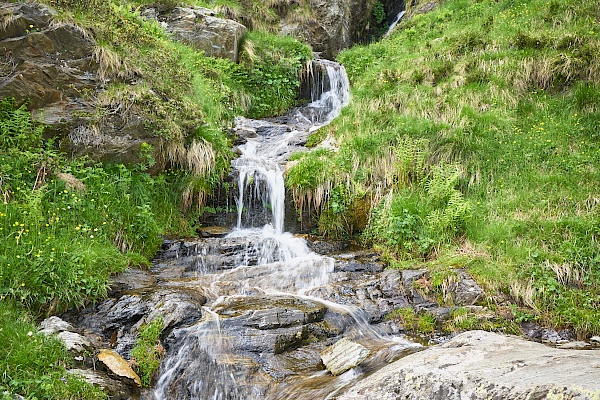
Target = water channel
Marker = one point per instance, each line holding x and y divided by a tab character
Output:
264	321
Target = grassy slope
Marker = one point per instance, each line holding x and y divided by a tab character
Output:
68	224
473	134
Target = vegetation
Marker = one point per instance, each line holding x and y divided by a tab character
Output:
473	133
148	351
33	364
68	224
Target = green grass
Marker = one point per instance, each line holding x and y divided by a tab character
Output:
33	364
467	88
148	351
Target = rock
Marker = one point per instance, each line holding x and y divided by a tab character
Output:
74	342
595	339
343	355
119	367
466	291
49	66
213	231
54	325
198	27
576	345
482	365
175	308
537	332
117	390
132	279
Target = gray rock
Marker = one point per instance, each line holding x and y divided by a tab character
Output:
54	325
343	355
466	291
482	365
116	389
74	342
595	339
217	37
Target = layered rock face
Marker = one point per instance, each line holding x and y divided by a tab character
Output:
56	69
483	365
198	27
48	64
335	25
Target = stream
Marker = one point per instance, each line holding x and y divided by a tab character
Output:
254	340
247	314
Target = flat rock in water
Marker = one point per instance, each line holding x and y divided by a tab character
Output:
343	355
482	365
118	366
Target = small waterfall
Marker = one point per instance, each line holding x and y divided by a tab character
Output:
393	24
263	281
259	168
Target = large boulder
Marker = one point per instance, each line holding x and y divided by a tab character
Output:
201	29
481	365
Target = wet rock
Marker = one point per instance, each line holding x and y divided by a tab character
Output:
534	331
343	355
54	325
213	231
198	27
175	308
327	247
483	365
132	279
118	366
116	389
74	342
466	291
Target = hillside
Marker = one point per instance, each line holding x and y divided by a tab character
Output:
471	141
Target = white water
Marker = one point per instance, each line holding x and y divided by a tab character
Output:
398	19
273	263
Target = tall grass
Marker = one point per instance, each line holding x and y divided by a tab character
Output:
516	113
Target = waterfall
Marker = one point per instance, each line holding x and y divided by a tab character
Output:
262	279
398	19
259	167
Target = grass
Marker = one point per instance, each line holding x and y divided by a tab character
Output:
148	351
33	364
69	224
465	88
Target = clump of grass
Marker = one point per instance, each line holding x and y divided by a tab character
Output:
148	351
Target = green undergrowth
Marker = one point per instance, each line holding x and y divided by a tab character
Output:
35	365
66	226
148	351
473	131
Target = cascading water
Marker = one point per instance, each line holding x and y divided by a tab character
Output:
396	21
263	300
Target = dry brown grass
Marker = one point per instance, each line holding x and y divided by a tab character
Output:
524	294
71	183
112	66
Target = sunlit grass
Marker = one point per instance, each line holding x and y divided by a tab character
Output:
509	92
